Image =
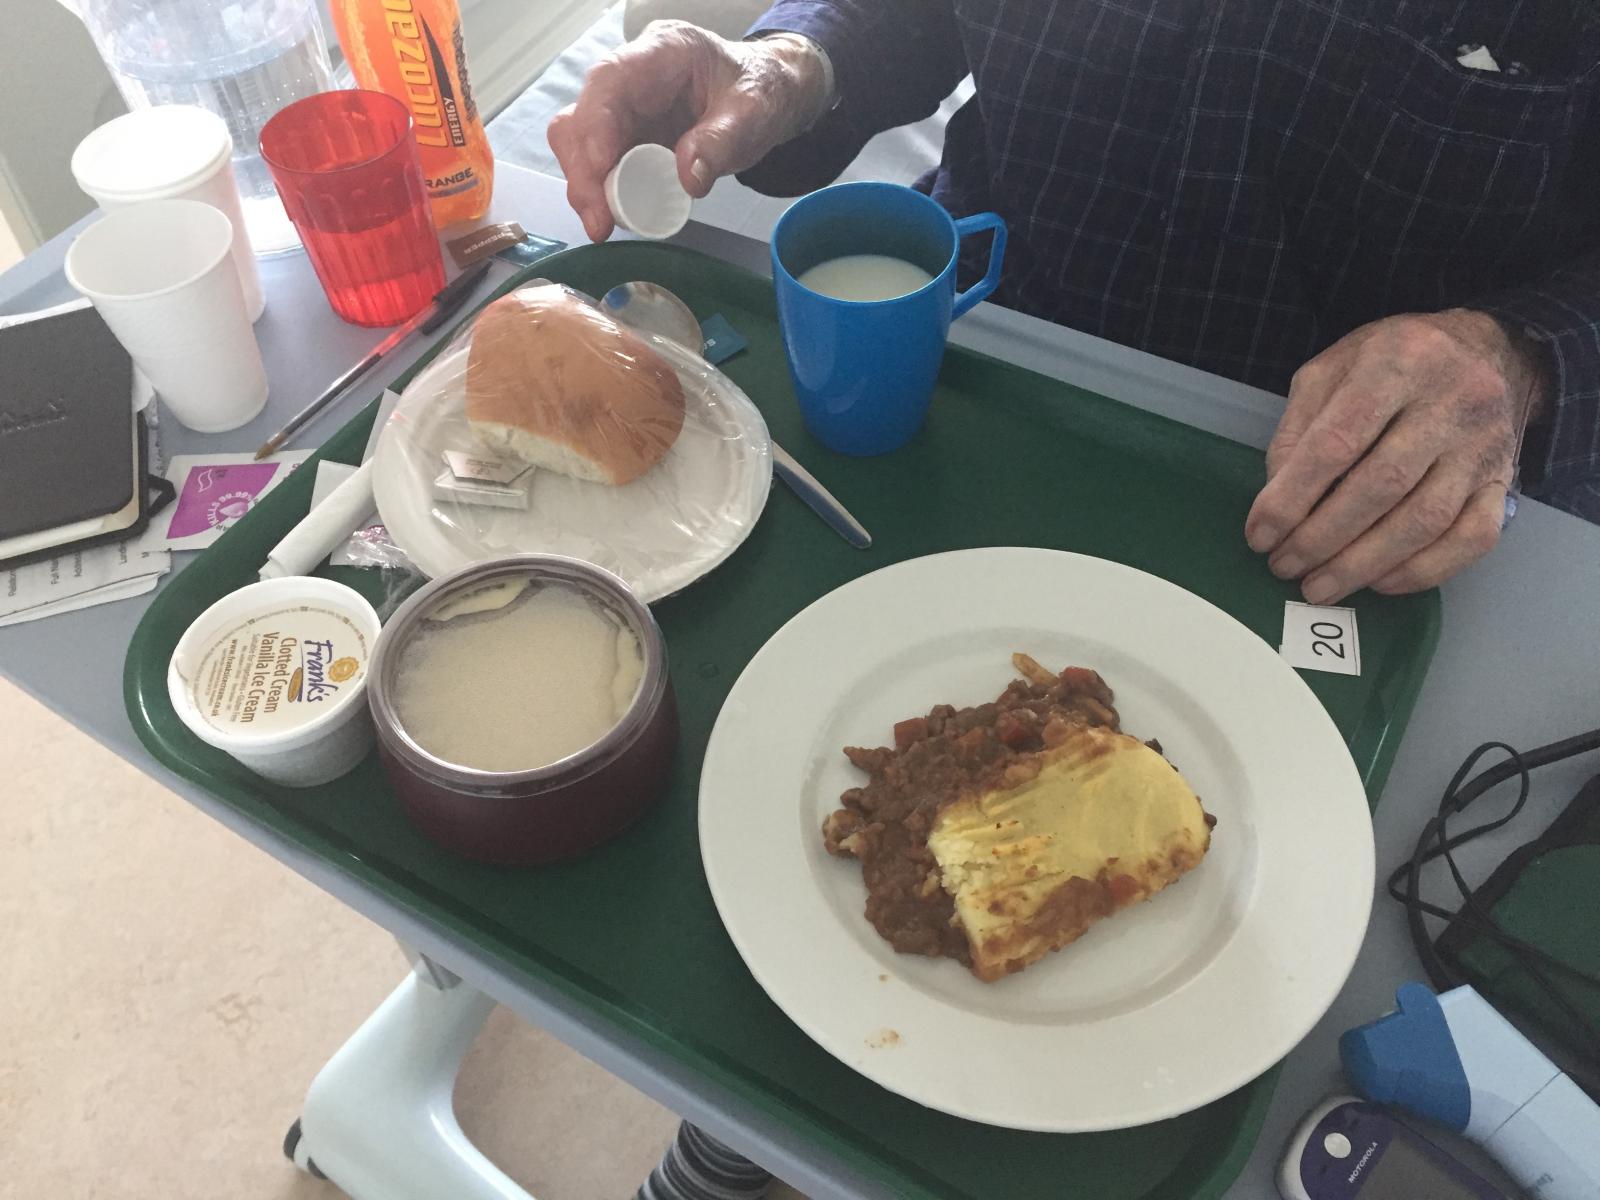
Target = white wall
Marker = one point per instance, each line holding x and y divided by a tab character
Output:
10	251
53	90
509	42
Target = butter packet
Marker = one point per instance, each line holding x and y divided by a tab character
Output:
722	340
507	240
482	479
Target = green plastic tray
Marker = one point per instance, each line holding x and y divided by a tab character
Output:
630	932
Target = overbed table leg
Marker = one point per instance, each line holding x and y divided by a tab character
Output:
379	1119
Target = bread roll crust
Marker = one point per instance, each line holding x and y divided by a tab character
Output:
556	383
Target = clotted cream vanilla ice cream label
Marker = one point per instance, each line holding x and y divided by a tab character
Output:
279	669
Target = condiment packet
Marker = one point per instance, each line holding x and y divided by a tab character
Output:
530	250
482	242
482	479
507	239
484	468
722	340
215	490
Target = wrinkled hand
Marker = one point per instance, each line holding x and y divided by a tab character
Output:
1391	464
721	105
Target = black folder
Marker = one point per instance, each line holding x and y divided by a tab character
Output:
73	453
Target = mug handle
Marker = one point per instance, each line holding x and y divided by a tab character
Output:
979	291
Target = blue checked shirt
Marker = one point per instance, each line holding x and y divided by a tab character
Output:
1236	184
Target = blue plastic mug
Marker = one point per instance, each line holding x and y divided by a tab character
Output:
864	370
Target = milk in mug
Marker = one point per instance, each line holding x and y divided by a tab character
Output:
865	277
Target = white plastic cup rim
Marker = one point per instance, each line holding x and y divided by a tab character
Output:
181	222
645	194
95	161
238	605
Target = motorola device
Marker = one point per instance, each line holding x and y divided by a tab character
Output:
1349	1149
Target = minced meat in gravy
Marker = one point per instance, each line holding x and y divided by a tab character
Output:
935	759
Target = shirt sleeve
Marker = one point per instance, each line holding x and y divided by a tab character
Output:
894	61
1561	314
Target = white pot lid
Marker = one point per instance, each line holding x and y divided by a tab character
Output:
152	152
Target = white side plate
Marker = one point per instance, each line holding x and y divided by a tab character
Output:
660	533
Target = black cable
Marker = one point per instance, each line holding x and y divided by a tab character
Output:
1436	842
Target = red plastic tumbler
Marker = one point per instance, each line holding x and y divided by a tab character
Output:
346	167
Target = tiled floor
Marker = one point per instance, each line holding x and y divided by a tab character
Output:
170	991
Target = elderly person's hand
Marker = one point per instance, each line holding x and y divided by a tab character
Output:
1391	464
722	106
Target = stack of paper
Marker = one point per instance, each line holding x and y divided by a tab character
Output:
97	575
214	491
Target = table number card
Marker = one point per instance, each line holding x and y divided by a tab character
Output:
1321	638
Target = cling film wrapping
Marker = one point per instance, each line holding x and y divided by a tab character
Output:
545	427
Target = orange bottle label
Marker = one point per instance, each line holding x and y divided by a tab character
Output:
413	49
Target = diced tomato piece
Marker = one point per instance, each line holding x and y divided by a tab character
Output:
970	745
1012	730
913	729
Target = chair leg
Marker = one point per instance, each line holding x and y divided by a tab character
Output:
379	1119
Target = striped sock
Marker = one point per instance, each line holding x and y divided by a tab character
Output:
698	1167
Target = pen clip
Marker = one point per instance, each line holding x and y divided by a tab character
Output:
452	295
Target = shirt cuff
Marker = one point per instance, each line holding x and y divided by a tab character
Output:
827	29
1561	317
817	156
830	90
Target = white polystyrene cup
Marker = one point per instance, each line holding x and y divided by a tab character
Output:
645	194
170	152
160	275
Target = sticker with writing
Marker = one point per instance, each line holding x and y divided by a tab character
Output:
1321	638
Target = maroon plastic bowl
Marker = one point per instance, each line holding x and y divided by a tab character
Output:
550	812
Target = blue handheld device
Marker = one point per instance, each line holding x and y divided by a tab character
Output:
1455	1059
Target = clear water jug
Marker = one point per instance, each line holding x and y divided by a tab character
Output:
242	59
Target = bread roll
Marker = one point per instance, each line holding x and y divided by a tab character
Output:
558	384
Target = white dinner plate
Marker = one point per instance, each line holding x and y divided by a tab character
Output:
1157	1011
660	533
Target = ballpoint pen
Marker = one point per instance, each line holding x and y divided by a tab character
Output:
444	306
